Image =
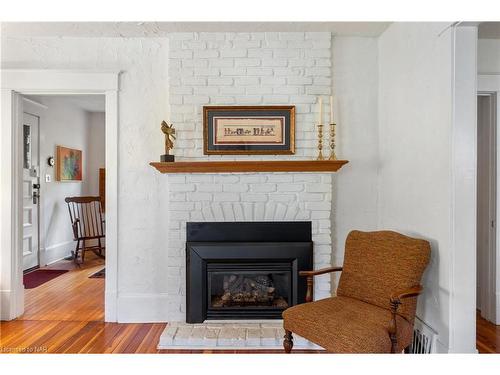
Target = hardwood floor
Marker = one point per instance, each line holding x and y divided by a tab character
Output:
65	315
487	336
69	297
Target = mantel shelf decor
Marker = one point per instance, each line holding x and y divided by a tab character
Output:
249	166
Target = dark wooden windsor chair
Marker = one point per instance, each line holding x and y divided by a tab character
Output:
87	224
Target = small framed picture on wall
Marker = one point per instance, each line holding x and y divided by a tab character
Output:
68	164
248	130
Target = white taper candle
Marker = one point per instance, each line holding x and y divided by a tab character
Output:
320	116
331	109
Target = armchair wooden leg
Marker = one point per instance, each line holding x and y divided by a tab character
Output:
393	329
288	341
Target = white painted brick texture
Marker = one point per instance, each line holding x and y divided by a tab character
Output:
247	68
240	69
247	197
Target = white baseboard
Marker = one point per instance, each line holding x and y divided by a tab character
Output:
110	306
5	305
57	260
497	317
56	252
11	304
142	308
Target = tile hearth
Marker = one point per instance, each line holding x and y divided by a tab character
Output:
228	335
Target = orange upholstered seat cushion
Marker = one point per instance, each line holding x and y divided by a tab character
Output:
346	325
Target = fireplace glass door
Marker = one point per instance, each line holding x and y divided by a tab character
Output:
249	286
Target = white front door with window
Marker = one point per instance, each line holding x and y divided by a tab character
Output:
31	190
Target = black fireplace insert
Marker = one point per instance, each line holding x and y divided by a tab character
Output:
245	270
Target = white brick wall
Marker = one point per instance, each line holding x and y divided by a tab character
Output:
247	68
238	69
247	197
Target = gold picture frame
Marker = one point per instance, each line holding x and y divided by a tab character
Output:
248	130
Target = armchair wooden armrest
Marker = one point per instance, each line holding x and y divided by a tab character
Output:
311	274
395	301
412	292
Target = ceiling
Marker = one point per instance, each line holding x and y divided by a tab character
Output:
89	103
489	30
160	29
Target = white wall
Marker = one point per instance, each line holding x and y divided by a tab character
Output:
427	164
355	85
488	56
415	152
96	147
143	104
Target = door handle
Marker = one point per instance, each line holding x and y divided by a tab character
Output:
36	193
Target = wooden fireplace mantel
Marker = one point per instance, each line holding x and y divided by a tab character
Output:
249	166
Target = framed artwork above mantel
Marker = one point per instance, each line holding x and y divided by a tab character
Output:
248	130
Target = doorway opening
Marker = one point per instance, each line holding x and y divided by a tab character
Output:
487	232
16	83
63	256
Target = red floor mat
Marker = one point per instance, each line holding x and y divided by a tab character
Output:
36	278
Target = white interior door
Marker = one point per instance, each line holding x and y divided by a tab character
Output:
31	190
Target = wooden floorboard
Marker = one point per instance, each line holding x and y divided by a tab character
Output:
65	315
487	336
73	296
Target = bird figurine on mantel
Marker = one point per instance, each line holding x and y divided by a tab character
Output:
169	131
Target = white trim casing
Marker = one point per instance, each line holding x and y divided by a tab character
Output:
463	191
20	81
59	81
497	255
111	285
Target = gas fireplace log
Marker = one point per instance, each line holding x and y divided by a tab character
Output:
241	289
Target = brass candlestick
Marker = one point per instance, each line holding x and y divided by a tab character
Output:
320	143
332	142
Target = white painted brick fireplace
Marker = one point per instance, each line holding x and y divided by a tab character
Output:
246	197
246	69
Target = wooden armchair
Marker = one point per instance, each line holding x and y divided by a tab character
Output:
87	223
374	309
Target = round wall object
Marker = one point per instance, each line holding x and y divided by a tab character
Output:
51	161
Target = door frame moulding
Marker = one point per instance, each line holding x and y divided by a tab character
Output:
490	84
17	82
462	275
